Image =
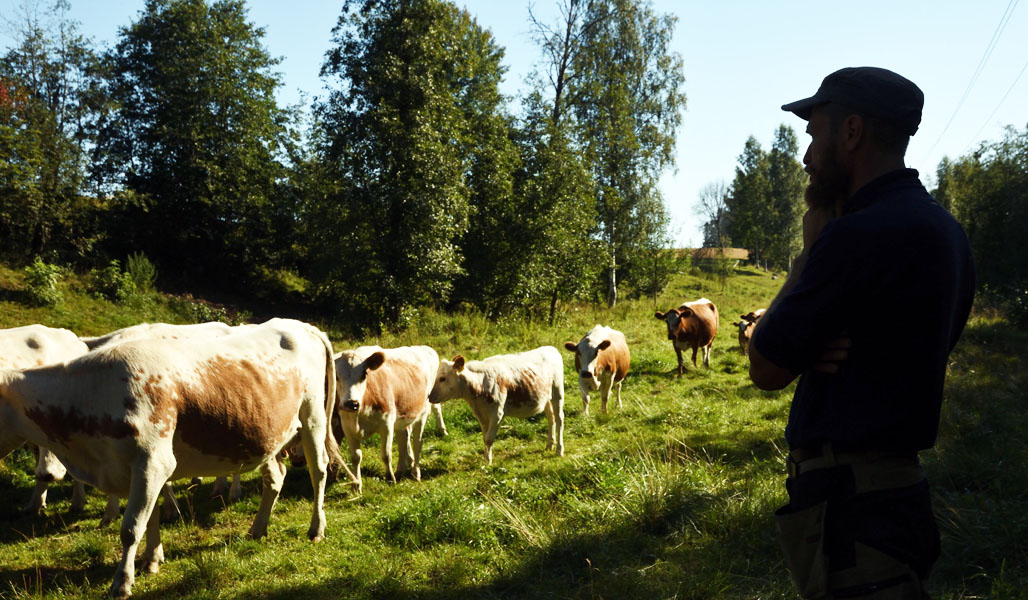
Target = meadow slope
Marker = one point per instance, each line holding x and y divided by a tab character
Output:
670	497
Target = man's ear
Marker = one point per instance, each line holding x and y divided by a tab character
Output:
853	132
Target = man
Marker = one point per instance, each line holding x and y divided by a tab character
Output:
876	249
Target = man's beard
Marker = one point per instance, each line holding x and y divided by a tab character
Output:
832	185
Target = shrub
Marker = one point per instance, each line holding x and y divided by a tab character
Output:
142	271
112	283
41	281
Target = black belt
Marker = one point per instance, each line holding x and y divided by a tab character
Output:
872	470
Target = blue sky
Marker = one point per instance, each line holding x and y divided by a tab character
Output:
743	60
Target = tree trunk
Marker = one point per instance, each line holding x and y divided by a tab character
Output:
612	295
553	305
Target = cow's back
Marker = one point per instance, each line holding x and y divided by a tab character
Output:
702	324
403	381
37	345
615	358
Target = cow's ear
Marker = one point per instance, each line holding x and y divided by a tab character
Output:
375	361
746	317
659	315
737	323
571	346
458	363
685	313
603	345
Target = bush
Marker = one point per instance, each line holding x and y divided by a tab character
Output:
41	281
112	283
142	271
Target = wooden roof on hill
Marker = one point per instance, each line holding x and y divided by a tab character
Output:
729	253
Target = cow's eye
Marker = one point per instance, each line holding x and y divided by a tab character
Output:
442	379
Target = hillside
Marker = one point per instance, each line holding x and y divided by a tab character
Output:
670	497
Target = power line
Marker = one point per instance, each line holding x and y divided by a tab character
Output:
1000	27
1002	100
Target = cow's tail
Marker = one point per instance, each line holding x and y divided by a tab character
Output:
335	459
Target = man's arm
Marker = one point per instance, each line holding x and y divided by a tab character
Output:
766	374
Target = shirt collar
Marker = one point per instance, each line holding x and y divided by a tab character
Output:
872	190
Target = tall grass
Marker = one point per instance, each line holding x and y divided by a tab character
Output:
670	497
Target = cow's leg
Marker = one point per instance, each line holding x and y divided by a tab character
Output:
78	496
220	487
153	554
605	381
387	447
437	412
417	430
694	349
111	512
617	392
556	406
585	397
405	450
236	490
170	510
149	474
273	473
706	356
38	500
353	441
314	437
678	352
489	429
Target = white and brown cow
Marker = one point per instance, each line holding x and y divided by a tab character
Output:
35	346
691	325
385	391
601	361
130	417
507	385
746	324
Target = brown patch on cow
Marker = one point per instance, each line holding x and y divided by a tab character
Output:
615	358
699	327
235	410
396	383
59	423
524	390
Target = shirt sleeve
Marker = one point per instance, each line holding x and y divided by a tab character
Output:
814	312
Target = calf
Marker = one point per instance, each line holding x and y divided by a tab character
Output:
35	346
384	391
691	325
746	324
129	417
517	385
601	361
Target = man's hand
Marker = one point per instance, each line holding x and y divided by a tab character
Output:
814	220
837	351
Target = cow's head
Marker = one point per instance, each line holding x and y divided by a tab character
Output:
743	326
449	380
48	467
352	371
586	353
676	319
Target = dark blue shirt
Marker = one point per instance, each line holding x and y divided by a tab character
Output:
895	271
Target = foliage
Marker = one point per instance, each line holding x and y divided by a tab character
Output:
41	283
987	191
196	132
142	272
627	104
48	101
112	283
765	205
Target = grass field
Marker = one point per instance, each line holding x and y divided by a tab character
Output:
670	497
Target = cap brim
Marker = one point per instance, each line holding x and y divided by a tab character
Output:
802	108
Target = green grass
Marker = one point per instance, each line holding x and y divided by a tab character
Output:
670	497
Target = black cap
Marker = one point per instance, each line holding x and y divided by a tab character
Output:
871	91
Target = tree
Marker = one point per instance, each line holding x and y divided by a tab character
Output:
415	141
627	102
747	205
196	139
47	89
713	208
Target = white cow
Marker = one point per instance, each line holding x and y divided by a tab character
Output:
167	331
132	416
385	391
35	346
601	361
516	385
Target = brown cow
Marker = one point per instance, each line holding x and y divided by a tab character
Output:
691	325
601	362
746	324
